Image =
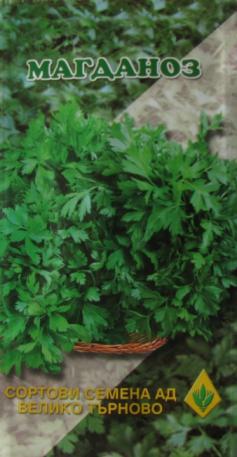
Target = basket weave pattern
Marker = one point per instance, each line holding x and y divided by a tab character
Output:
128	348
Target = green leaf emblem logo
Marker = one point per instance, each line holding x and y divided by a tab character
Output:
203	397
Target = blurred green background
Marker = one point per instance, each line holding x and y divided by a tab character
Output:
113	29
53	29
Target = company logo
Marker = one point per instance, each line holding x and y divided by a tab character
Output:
203	396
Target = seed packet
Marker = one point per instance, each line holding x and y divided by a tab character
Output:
118	228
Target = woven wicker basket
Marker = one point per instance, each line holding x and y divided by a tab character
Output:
133	347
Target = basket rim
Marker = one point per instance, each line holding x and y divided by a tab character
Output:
123	348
